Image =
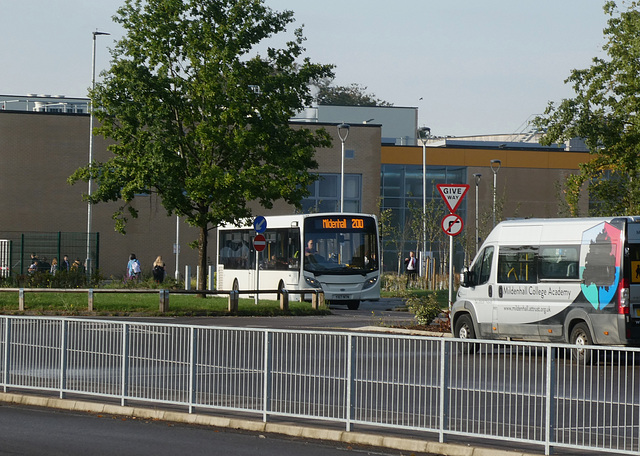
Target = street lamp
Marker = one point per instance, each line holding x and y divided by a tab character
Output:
477	178
495	166
93	86
343	132
423	135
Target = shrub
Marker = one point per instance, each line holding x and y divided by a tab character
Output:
425	308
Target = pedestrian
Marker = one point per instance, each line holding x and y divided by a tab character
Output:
411	265
134	269
65	265
54	266
158	270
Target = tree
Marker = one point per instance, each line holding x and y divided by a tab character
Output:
606	113
198	120
353	95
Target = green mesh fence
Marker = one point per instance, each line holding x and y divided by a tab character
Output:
24	247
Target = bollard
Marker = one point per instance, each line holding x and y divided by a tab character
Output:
90	299
317	300
233	300
21	299
284	299
210	279
164	301
187	278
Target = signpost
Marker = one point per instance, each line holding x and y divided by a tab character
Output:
452	224
259	244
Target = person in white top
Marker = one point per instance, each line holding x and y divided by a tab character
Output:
411	265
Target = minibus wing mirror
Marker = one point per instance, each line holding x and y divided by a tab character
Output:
466	277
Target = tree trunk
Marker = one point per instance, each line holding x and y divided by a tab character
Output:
202	259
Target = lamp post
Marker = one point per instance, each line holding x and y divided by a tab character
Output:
495	166
423	135
477	179
343	132
89	266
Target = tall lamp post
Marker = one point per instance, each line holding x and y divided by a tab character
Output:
423	135
477	179
343	132
89	266
495	166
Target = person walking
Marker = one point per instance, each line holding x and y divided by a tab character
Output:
134	270
158	270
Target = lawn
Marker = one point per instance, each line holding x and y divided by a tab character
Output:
131	303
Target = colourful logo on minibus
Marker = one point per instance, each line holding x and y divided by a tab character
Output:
600	264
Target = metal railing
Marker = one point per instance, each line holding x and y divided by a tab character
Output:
508	391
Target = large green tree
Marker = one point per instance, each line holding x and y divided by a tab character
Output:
606	114
199	117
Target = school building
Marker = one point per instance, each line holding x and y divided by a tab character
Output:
40	149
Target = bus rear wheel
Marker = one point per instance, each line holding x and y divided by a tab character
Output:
580	336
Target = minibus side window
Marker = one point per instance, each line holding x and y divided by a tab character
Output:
517	265
482	268
559	262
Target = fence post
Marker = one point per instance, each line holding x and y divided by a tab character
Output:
284	299
233	300
21	299
90	298
164	300
187	277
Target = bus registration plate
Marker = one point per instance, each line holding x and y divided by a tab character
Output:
342	296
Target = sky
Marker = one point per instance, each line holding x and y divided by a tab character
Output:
471	67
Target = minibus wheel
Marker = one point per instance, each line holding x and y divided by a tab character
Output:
581	337
464	330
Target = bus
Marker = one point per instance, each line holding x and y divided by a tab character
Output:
335	252
571	281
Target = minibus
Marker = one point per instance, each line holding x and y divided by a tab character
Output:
571	281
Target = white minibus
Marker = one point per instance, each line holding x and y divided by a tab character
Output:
558	280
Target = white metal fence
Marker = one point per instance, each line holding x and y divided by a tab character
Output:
496	390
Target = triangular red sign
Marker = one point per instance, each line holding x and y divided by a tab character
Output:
452	194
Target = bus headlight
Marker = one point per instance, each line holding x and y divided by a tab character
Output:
312	282
369	283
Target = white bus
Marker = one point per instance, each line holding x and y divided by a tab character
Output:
336	252
559	280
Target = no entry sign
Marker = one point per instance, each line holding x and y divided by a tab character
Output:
259	242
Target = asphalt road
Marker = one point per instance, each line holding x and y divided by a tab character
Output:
370	313
36	431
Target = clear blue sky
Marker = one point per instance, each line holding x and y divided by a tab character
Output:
471	67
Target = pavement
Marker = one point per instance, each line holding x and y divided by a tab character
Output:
400	443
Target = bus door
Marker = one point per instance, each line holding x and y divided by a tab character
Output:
633	247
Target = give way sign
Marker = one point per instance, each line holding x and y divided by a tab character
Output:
452	194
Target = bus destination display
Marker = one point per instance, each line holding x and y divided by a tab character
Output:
342	223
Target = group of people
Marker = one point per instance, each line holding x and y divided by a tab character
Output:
42	265
134	269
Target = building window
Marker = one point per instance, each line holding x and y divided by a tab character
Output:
325	194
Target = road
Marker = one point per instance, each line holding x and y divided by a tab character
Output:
371	313
34	432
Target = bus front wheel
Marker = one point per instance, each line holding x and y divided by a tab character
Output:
463	329
353	305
